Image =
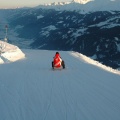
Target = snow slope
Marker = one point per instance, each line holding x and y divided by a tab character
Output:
30	90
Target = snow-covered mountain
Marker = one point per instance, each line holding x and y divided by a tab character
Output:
30	90
91	29
95	34
81	1
64	3
84	6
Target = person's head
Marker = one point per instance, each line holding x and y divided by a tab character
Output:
57	53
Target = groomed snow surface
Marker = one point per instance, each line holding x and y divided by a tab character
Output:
85	90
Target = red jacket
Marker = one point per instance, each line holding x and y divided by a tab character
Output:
57	61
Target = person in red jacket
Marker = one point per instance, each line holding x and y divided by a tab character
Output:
58	62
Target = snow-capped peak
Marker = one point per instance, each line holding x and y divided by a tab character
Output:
57	3
64	3
84	6
81	1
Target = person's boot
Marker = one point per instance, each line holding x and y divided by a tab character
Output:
52	65
63	64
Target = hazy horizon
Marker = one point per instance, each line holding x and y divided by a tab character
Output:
4	4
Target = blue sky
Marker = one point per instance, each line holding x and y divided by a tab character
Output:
19	3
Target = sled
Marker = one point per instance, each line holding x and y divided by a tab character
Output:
62	66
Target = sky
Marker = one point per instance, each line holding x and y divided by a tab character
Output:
23	3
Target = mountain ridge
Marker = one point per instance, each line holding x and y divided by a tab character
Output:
95	34
84	6
64	3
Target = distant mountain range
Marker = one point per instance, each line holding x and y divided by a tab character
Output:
84	6
73	26
73	1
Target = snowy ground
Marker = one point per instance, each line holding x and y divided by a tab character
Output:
31	90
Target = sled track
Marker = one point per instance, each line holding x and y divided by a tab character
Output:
50	100
79	92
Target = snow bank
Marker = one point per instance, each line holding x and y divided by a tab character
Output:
10	53
93	62
1	61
